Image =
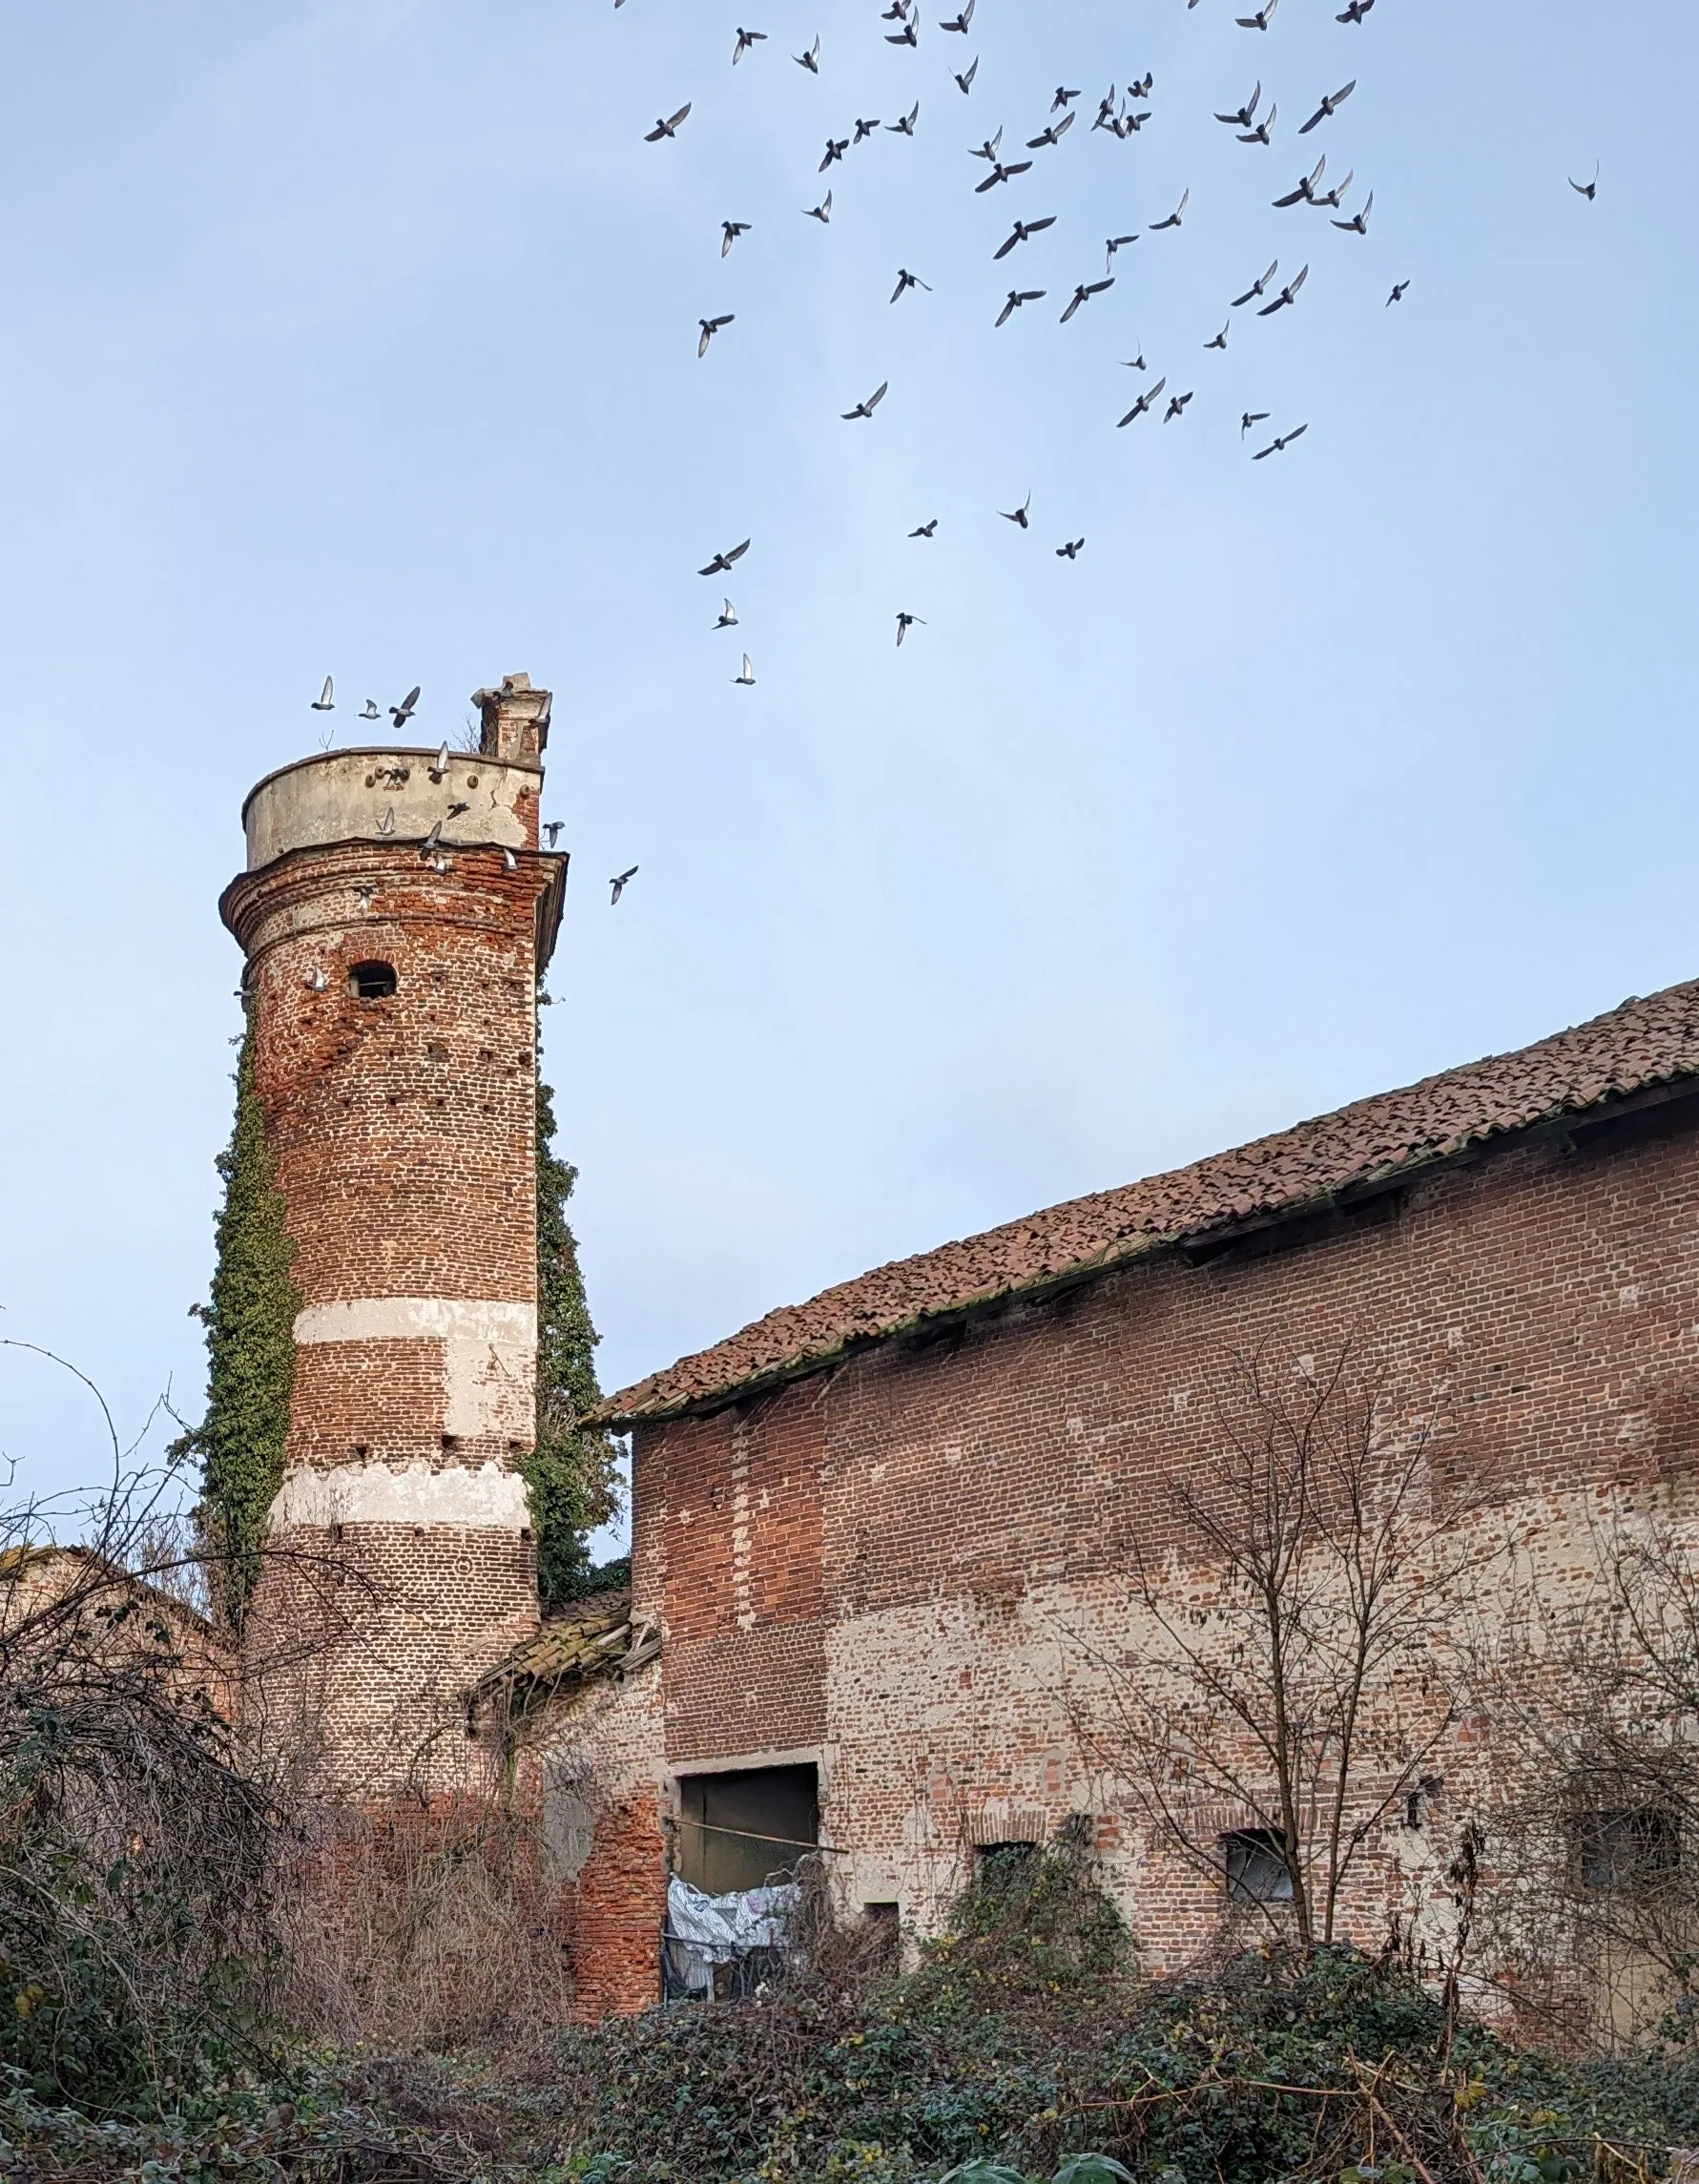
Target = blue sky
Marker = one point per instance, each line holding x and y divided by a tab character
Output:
361	339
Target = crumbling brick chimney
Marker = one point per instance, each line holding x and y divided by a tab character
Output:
515	721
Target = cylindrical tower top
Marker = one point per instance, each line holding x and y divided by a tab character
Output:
399	793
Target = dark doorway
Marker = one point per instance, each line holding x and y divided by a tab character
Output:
740	1831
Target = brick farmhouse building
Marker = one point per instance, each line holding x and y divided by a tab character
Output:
882	1540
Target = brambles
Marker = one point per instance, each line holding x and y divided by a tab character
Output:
1025	2048
135	1937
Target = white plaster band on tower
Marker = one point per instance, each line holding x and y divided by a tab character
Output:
490	1353
487	1499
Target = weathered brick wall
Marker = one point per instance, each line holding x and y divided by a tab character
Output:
602	1750
362	1644
735	1509
899	1566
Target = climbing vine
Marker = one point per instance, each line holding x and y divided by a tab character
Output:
571	1474
250	1340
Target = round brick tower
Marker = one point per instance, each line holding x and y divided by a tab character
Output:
396	914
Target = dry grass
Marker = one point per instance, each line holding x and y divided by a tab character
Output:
425	1927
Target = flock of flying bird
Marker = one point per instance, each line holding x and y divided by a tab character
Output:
1120	113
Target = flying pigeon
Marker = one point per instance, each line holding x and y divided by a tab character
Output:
1174	217
723	561
1329	107
1280	446
1144	402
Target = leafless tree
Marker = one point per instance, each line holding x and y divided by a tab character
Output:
1284	1664
133	1843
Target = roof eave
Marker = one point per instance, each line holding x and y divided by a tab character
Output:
623	1413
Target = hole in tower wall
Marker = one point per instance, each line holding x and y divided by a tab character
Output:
372	981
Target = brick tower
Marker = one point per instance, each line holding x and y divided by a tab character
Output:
396	913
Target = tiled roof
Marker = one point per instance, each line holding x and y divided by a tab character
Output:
588	1638
1375	1141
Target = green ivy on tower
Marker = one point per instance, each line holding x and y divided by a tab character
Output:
250	1340
570	1474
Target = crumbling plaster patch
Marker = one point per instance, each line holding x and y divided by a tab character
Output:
486	1499
490	1353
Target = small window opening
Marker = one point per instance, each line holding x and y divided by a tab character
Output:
741	1831
372	981
1256	1868
1005	1864
881	1927
1618	1852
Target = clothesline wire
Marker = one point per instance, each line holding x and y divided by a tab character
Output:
748	1835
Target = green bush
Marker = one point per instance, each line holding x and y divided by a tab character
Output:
1025	2047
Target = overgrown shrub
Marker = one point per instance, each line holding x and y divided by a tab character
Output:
135	1941
1025	2040
976	2050
423	1926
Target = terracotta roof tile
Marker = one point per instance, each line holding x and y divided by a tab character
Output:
1641	1045
588	1638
